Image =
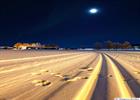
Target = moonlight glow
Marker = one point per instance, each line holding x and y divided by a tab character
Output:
93	10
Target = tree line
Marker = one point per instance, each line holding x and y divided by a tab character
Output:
113	45
35	45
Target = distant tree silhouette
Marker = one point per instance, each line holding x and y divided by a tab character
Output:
113	45
98	45
109	44
117	45
126	45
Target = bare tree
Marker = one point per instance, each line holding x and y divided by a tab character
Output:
98	45
109	44
126	45
116	45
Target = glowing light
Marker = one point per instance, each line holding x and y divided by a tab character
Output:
93	10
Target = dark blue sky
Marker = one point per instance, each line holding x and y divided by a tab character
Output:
68	23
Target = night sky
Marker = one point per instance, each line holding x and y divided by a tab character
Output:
68	22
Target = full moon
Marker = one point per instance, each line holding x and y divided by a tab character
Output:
93	10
